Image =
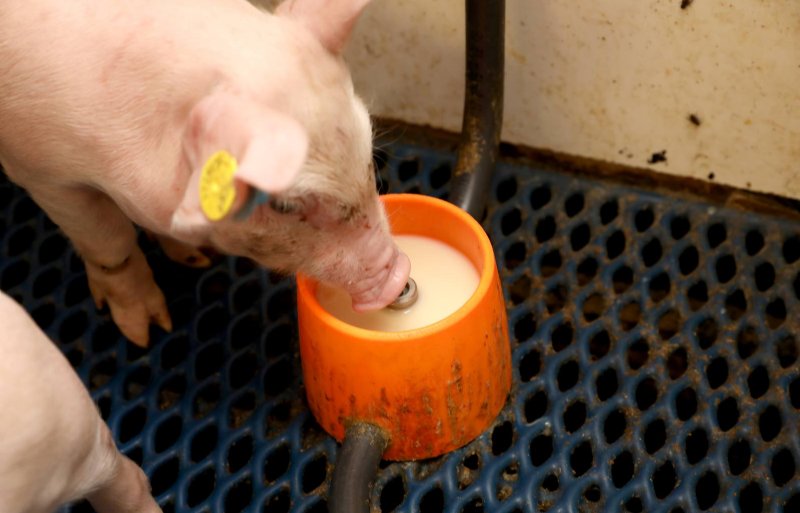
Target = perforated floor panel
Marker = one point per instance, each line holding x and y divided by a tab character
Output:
655	346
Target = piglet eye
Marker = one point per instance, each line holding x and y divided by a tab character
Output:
283	206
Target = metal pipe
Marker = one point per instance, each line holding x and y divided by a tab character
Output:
483	105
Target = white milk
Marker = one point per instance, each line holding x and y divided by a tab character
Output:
445	278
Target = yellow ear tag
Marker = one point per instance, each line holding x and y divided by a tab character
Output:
216	185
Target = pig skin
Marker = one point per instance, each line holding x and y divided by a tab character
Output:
54	447
110	109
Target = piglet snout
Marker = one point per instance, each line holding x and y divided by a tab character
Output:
383	286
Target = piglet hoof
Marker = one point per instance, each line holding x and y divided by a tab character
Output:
134	299
183	253
135	322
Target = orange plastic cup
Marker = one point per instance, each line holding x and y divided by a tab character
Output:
431	389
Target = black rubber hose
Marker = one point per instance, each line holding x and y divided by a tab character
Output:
483	106
356	467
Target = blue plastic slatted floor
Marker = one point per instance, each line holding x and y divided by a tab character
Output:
655	343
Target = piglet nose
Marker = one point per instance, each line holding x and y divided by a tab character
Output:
395	280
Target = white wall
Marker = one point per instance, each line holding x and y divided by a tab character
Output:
614	80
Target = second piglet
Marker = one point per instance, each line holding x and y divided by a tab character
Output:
113	111
54	447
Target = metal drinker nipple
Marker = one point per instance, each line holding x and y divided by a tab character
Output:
406	298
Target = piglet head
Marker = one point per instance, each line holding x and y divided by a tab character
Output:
304	186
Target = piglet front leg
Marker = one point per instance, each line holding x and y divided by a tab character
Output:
131	294
118	273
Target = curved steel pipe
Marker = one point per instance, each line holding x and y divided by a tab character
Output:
483	106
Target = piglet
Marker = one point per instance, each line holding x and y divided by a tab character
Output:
54	447
208	123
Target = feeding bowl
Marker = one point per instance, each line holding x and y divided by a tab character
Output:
432	389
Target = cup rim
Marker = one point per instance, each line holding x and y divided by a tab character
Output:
306	286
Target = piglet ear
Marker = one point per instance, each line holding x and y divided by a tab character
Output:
265	149
331	21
